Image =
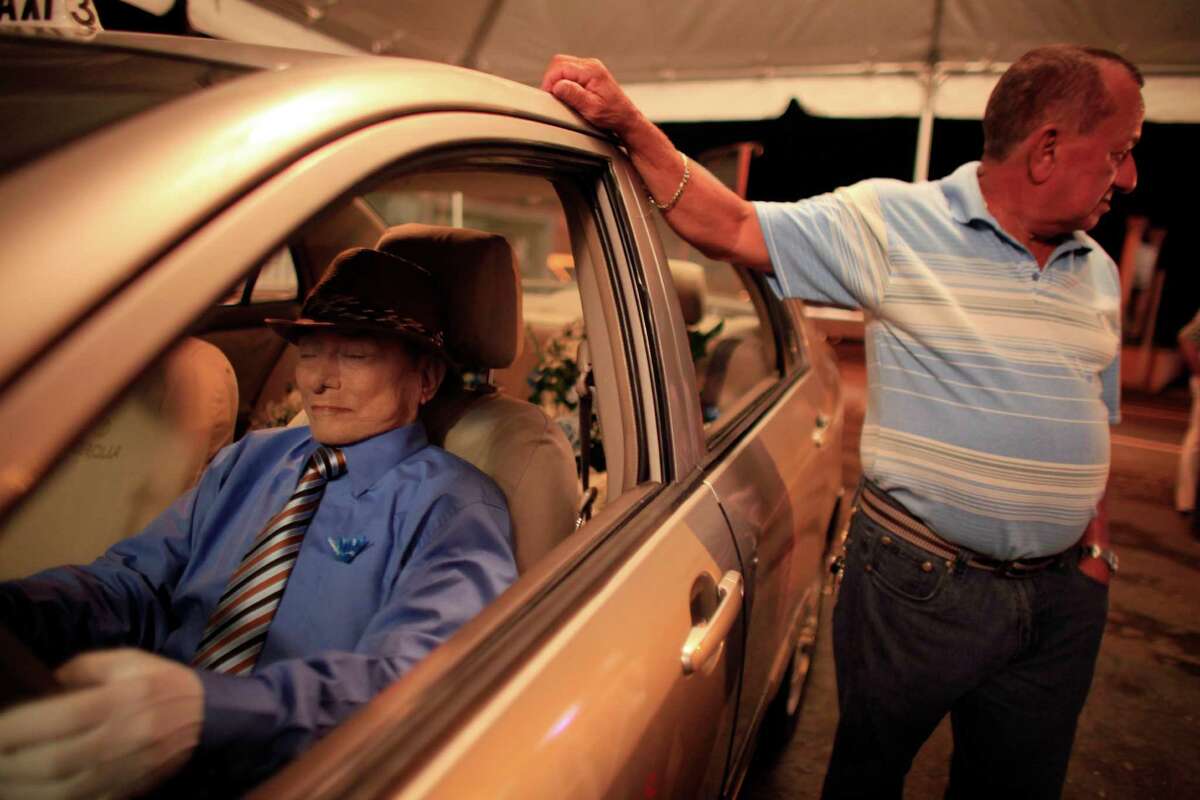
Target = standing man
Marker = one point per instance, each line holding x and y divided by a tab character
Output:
977	566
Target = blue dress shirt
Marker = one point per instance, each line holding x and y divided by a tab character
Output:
438	550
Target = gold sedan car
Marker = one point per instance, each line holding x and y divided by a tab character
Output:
666	431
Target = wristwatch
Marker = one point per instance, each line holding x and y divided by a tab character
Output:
1107	556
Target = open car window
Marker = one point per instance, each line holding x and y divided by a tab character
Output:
733	339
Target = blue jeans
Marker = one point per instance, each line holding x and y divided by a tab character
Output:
916	637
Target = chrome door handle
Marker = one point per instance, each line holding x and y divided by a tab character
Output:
820	428
706	640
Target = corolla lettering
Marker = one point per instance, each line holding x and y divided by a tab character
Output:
98	451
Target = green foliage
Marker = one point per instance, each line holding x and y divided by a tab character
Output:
552	385
553	380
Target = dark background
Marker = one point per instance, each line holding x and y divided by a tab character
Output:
116	15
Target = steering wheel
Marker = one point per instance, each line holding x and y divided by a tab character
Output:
23	676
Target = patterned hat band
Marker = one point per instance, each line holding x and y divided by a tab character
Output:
342	308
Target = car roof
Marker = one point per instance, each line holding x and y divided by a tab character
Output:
157	175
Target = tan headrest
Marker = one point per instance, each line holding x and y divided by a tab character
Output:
479	275
530	459
689	284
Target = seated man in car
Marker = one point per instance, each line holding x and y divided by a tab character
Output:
308	569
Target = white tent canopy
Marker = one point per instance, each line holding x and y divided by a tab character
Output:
747	59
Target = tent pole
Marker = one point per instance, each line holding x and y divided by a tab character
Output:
487	21
925	126
932	75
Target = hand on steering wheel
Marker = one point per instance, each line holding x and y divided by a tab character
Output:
123	721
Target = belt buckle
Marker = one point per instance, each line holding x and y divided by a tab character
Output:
1007	569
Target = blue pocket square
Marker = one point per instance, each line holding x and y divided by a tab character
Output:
345	548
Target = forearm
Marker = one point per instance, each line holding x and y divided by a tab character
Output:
1097	530
708	215
252	725
46	628
65	611
1096	534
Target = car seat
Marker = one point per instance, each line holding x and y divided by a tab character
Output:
691	288
150	448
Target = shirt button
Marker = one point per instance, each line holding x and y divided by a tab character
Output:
885	540
1037	275
927	567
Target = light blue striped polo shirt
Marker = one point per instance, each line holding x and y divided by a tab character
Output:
991	383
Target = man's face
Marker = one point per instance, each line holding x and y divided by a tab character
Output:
1092	166
355	387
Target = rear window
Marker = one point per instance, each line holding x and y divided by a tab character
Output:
52	92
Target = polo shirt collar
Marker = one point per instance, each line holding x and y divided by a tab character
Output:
367	461
967	206
962	191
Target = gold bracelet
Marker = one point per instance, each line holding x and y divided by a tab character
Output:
664	208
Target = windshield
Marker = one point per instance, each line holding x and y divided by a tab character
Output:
53	91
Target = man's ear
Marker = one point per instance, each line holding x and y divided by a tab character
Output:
1042	155
432	370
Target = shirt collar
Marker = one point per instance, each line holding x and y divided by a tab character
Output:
368	460
967	205
962	191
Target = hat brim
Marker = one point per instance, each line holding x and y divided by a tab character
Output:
293	329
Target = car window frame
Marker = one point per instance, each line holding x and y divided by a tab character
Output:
798	346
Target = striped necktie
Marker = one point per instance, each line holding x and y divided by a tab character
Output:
238	627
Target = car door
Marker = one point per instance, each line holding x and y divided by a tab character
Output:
772	471
771	434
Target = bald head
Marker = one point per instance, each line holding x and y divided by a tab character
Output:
1061	83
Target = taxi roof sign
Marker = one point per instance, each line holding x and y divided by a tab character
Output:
73	15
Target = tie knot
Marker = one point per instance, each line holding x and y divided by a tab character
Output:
330	462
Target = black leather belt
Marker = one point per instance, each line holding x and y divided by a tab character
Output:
895	519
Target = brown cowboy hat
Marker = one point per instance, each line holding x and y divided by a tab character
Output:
366	291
